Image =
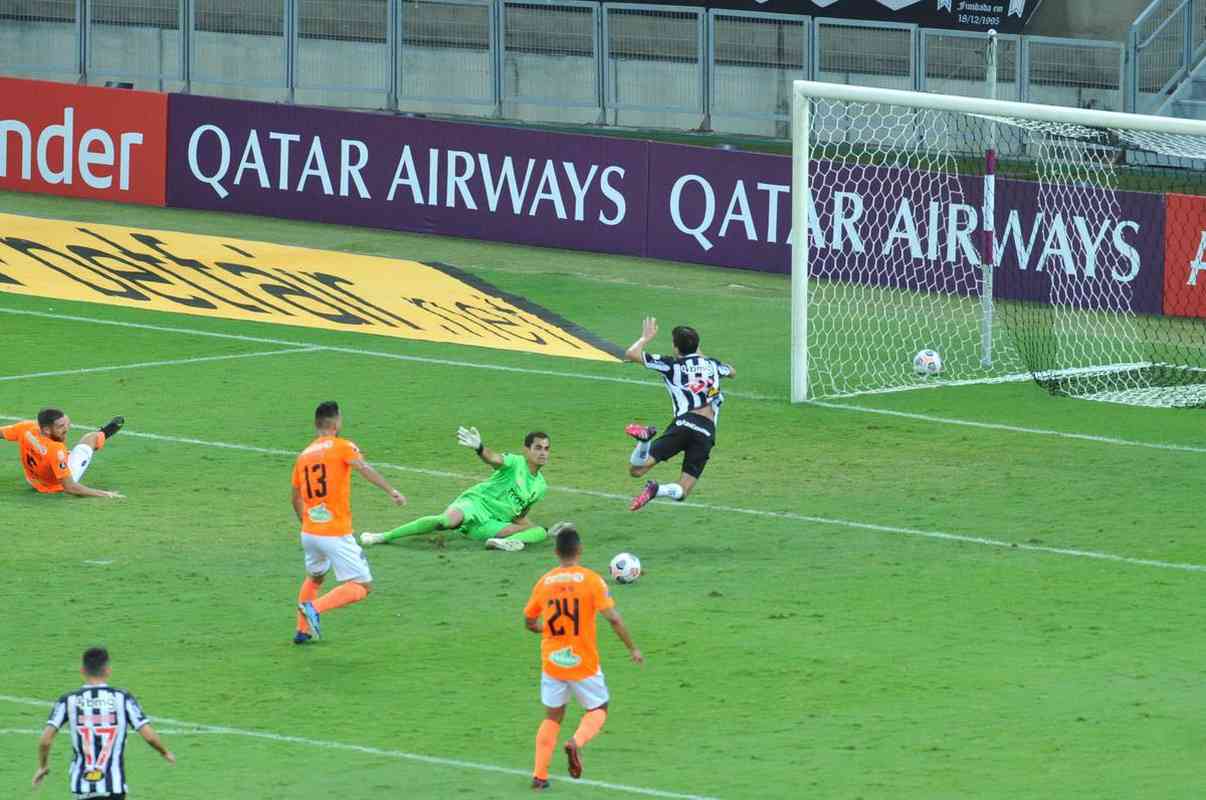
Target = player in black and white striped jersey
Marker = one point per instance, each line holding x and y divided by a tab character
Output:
99	718
693	381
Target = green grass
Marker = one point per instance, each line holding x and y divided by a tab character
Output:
788	656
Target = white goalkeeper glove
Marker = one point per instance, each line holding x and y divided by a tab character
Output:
469	437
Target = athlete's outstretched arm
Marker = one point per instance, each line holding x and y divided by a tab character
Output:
152	738
617	625
636	352
469	437
80	490
44	743
374	477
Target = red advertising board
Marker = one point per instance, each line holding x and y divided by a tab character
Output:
83	141
1184	255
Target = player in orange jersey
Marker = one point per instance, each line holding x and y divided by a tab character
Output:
568	597
322	499
49	466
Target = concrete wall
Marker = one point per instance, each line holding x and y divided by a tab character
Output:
1086	19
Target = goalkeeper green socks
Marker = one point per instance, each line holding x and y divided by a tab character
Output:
419	527
530	535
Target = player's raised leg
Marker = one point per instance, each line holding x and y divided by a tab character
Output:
80	457
451	519
640	462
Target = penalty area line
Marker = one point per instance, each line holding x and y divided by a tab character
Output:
198	727
170	363
754	512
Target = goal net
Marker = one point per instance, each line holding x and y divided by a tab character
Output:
1019	241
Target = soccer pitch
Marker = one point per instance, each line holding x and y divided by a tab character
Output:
975	591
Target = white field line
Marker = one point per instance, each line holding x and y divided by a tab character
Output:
448	362
168	732
754	512
604	378
1086	437
396	754
140	365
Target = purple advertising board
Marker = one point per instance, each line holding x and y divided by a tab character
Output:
908	228
407	174
868	224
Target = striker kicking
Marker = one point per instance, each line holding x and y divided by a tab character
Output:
496	510
693	381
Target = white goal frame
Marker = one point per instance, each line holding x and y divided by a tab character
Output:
805	91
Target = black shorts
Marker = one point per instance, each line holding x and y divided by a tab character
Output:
690	434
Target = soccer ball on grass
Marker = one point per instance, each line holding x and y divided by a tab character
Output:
625	568
927	362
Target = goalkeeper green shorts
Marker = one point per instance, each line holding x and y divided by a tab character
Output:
480	523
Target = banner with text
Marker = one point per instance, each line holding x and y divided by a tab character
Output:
1005	16
216	276
1185	256
408	174
726	208
734	209
83	141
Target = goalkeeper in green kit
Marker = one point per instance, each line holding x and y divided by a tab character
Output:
496	510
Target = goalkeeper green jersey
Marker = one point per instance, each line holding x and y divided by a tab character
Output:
510	491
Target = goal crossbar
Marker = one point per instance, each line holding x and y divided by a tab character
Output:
997	108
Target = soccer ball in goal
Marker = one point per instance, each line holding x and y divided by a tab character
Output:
927	363
625	568
1022	241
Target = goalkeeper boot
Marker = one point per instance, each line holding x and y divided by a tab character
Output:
368	539
642	499
642	433
509	545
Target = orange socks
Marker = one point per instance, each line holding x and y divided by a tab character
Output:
546	742
342	595
309	591
590	726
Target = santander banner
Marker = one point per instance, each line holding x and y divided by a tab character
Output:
699	205
83	141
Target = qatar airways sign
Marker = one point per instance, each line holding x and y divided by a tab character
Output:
734	209
407	174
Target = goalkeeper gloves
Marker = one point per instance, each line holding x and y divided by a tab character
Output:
469	437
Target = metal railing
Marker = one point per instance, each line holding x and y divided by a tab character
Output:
578	61
1163	45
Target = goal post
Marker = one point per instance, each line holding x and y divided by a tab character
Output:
1018	240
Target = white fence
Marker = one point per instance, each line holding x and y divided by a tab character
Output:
535	60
